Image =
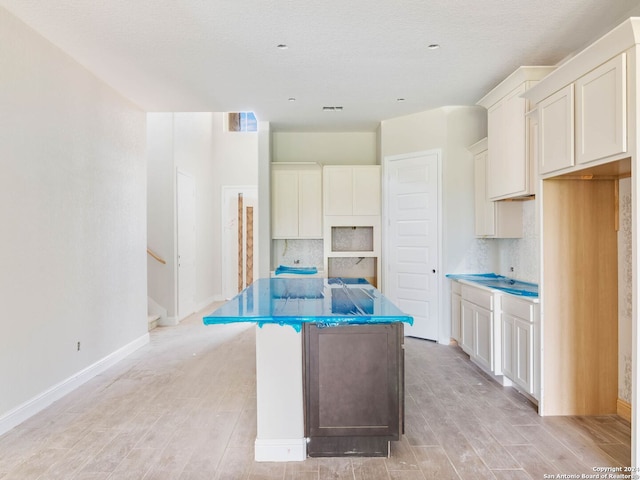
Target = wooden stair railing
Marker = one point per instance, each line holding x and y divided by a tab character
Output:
156	256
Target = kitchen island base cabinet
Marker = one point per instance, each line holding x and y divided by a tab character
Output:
354	388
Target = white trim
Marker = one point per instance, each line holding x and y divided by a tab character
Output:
169	322
280	450
29	408
385	230
248	190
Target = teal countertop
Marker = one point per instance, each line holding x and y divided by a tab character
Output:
294	301
499	282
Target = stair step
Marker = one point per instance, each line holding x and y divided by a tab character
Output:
152	321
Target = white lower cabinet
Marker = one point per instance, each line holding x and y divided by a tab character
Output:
456	300
478	331
500	332
483	350
520	344
467	327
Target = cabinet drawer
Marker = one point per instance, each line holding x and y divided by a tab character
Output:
480	297
456	287
518	308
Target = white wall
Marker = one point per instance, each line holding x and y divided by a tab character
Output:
451	129
72	207
264	198
197	144
161	192
327	148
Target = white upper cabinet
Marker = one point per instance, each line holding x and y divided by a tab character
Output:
509	166
296	201
492	219
351	190
556	131
586	120
601	111
587	105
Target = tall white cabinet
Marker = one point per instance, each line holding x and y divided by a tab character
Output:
352	207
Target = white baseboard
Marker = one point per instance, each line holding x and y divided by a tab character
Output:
29	408
280	450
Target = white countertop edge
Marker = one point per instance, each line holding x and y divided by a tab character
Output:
496	290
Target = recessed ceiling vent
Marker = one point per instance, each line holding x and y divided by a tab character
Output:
331	109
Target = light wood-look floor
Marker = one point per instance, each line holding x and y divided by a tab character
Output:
184	408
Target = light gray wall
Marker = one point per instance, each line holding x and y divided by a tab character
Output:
72	206
326	148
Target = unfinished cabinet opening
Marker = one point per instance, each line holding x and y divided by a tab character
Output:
580	261
352	239
354	267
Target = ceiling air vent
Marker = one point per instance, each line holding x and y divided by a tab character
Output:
331	109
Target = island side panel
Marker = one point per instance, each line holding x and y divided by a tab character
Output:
280	433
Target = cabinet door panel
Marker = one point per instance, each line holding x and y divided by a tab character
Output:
455	317
524	350
467	327
508	360
507	164
556	128
353	380
496	117
284	198
484	337
485	210
601	111
310	206
366	190
338	191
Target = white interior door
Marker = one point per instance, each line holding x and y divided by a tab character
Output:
186	212
230	235
412	234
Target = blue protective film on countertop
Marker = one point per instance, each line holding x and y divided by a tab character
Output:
297	270
498	282
294	301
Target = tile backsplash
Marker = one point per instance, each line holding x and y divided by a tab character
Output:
522	254
305	253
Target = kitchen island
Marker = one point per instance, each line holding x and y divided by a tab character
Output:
325	350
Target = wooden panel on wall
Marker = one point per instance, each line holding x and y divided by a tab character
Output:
240	243
249	254
580	298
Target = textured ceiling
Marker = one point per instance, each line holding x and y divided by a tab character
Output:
362	55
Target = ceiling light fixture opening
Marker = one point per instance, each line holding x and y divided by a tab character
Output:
433	46
282	46
292	99
399	100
